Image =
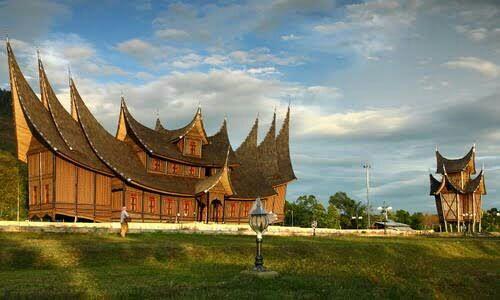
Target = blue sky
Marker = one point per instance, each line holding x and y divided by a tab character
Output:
380	81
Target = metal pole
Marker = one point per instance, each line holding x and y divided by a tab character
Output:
259	260
367	168
292	218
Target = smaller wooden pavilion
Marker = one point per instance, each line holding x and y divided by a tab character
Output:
458	195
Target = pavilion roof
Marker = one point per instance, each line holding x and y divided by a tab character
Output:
445	165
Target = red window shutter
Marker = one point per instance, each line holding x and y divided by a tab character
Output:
192	147
133	201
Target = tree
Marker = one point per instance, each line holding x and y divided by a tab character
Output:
348	208
417	221
332	217
307	209
490	221
402	216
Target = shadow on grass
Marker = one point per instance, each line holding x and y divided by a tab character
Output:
208	266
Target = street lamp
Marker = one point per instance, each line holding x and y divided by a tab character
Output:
258	221
384	209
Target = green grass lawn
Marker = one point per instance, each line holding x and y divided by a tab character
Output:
209	266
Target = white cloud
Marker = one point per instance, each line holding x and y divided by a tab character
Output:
171	33
290	37
264	56
365	122
484	67
331	28
474	34
187	61
216	60
370	28
263	71
139	49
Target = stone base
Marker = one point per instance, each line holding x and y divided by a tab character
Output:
265	274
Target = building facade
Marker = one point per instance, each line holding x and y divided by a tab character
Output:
77	170
458	196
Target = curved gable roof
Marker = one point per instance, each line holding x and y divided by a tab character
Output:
455	165
67	127
122	159
162	145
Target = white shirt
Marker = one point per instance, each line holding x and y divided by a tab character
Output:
124	216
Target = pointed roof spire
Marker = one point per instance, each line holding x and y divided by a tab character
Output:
43	81
70	78
283	150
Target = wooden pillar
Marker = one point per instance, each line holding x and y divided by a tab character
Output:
161	207
54	165
224	210
142	206
239	212
40	188
95	194
473	213
76	193
458	212
208	207
177	213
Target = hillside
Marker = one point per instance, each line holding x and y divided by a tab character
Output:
197	266
9	165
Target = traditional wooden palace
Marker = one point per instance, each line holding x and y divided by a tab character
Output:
78	170
458	196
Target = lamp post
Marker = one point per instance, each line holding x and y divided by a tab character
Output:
258	221
384	209
367	167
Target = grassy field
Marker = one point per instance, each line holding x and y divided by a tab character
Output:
209	266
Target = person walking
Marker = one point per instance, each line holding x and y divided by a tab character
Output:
124	219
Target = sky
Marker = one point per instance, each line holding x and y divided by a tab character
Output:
383	82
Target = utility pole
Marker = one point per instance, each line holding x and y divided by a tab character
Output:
367	168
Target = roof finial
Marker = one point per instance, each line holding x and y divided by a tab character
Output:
474	147
7	37
482	167
437	148
121	94
157	113
225	117
38	53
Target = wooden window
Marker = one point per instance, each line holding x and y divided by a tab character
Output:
133	201
156	165
152	204
247	208
192	147
170	205
174	168
47	193
193	171
187	208
232	212
34	197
